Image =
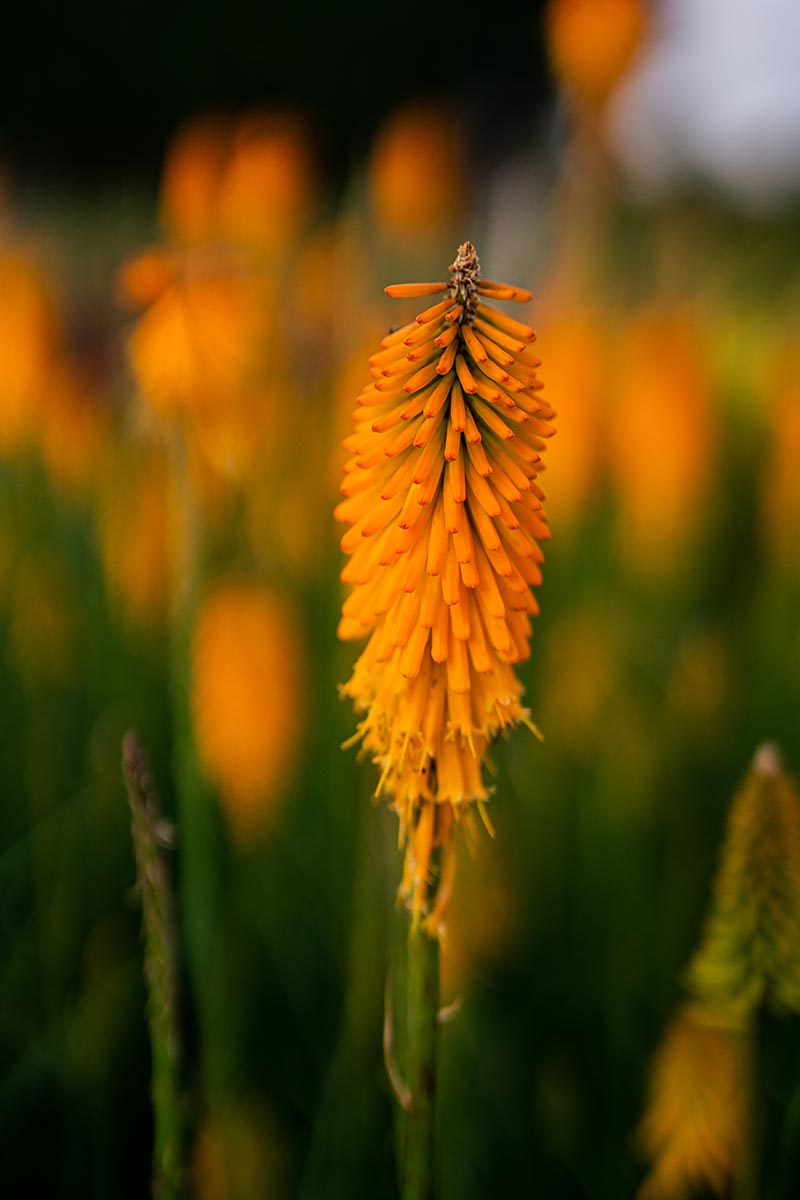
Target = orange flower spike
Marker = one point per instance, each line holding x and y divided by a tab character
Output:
443	509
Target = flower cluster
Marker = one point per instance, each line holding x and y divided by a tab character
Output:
749	954
695	1119
700	1099
445	517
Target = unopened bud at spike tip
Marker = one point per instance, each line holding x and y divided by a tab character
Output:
767	759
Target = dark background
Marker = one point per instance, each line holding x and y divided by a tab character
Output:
91	88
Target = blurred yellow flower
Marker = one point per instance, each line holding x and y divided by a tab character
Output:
591	42
247	699
694	1123
445	517
417	182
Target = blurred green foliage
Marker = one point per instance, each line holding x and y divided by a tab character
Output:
569	932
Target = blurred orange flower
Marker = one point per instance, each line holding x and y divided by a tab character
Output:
576	353
417	181
330	279
268	186
197	346
73	429
233	194
780	477
249	182
248	699
245	183
28	346
143	278
191	178
661	441
591	42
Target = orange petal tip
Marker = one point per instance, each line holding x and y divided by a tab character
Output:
411	291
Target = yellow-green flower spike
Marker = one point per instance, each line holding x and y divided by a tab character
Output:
750	953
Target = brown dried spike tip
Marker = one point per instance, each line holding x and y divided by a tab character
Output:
465	270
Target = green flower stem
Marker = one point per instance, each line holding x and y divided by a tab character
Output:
200	839
422	1020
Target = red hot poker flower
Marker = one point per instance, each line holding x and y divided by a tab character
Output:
445	517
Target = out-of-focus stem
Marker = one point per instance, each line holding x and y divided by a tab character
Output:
748	1185
160	971
199	833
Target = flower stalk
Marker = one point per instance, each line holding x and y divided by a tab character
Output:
422	1025
445	518
150	835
